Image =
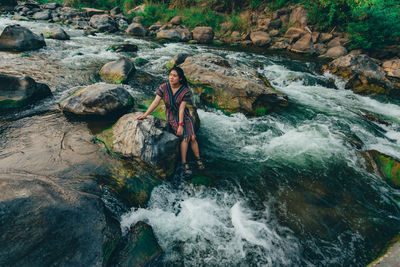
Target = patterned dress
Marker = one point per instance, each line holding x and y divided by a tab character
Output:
172	103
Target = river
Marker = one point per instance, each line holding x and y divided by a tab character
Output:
289	188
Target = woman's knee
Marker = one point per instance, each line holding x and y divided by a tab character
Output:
193	138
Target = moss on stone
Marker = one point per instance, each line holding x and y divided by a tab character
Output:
159	111
10	104
260	111
169	65
114	78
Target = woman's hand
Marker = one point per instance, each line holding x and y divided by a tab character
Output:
141	117
179	132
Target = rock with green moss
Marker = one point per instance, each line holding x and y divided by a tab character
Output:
16	92
117	71
159	111
98	99
57	33
140	248
147	141
363	75
387	166
176	60
231	86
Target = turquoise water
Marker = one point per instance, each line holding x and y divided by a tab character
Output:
289	188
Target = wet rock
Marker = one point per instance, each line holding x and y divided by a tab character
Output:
280	45
117	71
298	17
136	29
392	67
103	23
148	141
122	23
140	247
362	74
177	20
57	33
177	59
42	15
275	24
97	99
203	34
260	38
68	12
336	52
10	3
126	47
18	38
387	166
16	92
304	45
177	34
231	86
43	223
293	34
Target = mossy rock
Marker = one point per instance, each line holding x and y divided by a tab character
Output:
388	167
141	247
159	112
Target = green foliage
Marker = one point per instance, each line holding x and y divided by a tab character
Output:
196	16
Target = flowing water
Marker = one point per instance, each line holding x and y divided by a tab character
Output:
289	188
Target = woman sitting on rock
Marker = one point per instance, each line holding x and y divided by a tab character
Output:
175	94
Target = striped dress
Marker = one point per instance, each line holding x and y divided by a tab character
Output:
172	103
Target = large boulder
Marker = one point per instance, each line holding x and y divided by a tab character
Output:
336	52
203	34
362	74
136	29
42	15
97	99
45	224
304	45
103	23
230	85
140	247
147	141
387	166
16	92
260	38
57	33
392	67
177	34
117	71
18	38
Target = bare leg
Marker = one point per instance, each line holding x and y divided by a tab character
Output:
184	148
195	147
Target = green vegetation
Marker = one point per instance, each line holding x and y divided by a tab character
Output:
370	24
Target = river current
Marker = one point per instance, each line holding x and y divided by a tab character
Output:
289	188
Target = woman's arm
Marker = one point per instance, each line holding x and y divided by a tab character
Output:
151	108
182	107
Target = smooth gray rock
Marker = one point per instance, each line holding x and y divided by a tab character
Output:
97	99
136	29
18	38
117	71
203	34
177	34
42	15
103	23
57	33
16	92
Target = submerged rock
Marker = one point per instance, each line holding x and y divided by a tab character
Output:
97	99
140	247
18	38
231	86
148	141
363	75
16	92
387	166
117	71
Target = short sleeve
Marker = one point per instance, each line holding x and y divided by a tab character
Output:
160	92
187	97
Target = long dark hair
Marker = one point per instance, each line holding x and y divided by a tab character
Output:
181	75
